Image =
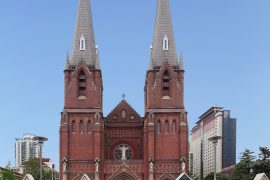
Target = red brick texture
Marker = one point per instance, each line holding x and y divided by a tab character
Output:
161	135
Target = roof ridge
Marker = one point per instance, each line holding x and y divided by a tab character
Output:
123	101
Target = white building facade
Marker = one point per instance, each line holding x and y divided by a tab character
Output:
214	122
25	148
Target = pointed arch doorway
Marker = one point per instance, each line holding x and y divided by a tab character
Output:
123	176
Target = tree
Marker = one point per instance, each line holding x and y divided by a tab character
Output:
265	153
32	167
7	173
262	165
219	177
242	169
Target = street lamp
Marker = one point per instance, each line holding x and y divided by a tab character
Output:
214	140
40	140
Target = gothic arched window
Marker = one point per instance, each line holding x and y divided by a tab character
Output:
89	127
73	126
81	127
174	126
82	84
158	127
82	43
166	84
165	43
166	126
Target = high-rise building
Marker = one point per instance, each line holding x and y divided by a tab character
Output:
123	144
25	148
214	122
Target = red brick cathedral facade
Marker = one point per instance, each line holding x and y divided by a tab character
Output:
123	145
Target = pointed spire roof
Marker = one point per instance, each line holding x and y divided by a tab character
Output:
84	29
163	29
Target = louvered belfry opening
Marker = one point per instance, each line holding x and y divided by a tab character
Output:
82	84
166	84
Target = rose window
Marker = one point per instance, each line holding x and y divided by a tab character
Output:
123	152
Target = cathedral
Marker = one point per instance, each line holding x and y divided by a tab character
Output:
123	145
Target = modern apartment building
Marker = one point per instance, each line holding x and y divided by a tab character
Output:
214	122
25	148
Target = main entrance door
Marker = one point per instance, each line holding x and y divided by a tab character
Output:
123	176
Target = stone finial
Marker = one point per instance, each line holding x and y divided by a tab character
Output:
67	62
181	61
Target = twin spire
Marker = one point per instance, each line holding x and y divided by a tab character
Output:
84	47
163	47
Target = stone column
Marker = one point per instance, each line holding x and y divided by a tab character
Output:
151	169
65	176
97	168
65	170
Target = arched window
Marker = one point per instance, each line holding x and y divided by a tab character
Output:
166	84
165	43
166	126
89	127
73	126
82	43
174	126
81	127
82	84
158	128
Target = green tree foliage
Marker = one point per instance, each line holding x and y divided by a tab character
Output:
248	166
242	169
32	167
262	165
8	174
219	177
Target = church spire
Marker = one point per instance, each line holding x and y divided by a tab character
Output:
163	40
84	39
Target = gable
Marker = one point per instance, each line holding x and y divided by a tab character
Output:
123	115
28	177
183	176
261	176
85	177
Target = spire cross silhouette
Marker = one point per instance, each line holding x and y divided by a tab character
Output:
123	96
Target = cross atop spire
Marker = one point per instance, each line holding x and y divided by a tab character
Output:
163	40
123	96
84	39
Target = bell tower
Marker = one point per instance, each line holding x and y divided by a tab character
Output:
82	119
166	126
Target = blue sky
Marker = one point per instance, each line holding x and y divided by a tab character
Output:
226	48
